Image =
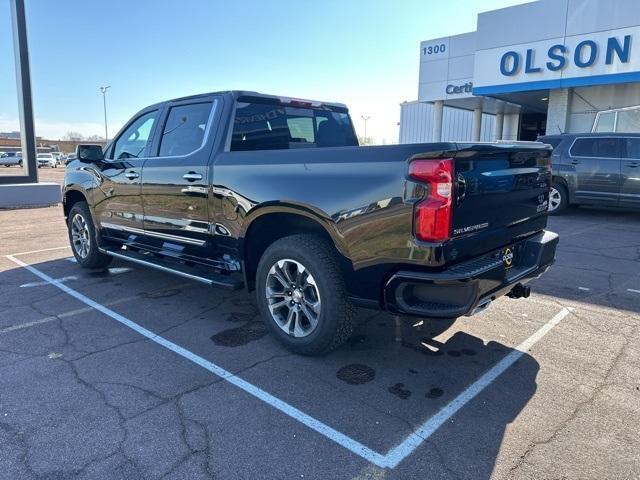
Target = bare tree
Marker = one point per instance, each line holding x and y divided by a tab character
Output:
366	140
73	136
95	138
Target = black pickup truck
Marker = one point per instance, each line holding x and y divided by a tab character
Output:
239	189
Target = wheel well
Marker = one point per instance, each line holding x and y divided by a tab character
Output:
70	199
271	227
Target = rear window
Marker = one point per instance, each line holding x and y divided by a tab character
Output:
269	126
608	147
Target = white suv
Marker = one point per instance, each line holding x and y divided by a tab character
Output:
47	160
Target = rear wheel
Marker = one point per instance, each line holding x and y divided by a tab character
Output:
302	295
83	238
558	198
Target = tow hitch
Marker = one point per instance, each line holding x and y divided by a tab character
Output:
519	291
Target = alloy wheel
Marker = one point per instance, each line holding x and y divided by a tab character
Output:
555	199
293	298
80	236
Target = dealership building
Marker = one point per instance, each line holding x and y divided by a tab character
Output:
546	67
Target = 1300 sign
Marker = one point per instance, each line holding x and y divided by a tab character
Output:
431	49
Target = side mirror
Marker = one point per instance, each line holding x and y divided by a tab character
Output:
89	153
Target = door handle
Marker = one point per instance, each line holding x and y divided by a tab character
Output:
131	175
633	164
575	162
192	176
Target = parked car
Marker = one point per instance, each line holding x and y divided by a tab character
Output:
595	169
239	189
59	158
10	159
46	160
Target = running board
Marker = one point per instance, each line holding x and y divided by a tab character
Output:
213	279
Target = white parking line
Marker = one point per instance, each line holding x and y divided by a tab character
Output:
41	284
70	313
633	290
20	326
396	454
38	251
584	289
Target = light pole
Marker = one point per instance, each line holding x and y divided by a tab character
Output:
365	118
104	103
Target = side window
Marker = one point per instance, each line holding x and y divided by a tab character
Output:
132	142
596	147
184	130
633	148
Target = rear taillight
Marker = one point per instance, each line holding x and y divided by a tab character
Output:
432	214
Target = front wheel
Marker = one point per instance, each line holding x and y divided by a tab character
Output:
83	238
302	295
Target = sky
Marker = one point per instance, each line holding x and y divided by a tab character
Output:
364	53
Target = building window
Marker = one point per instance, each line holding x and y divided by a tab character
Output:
628	121
624	120
606	122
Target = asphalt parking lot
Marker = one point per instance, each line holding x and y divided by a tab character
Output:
130	373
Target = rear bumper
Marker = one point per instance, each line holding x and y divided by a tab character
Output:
465	287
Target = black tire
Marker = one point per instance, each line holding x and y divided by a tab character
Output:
558	198
92	258
336	318
20	163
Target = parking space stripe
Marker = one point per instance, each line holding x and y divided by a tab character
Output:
38	251
338	437
21	326
40	284
396	454
61	316
633	290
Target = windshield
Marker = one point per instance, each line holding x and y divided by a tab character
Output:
272	126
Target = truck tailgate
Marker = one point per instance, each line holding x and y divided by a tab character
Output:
501	194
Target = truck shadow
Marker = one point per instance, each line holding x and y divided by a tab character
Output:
419	376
